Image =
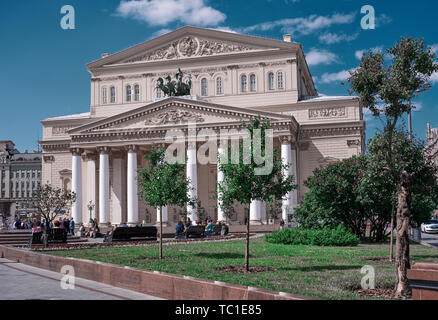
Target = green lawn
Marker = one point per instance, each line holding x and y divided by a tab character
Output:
327	273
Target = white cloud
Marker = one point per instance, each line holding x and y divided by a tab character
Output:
332	38
382	19
303	26
316	57
359	53
163	12
435	48
418	106
335	77
434	78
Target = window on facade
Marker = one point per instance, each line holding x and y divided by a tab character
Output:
204	87
104	96
158	93
219	85
271	81
113	94
280	82
148	219
243	83
128	93
252	81
137	92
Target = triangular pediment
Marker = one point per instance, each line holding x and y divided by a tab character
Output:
191	42
175	112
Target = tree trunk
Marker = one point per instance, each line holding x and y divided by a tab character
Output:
247	244
402	238
161	232
391	245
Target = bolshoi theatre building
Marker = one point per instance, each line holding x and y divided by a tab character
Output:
235	78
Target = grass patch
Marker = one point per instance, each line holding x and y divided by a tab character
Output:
323	272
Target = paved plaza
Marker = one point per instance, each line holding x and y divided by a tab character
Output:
22	282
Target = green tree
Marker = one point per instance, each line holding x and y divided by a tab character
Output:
347	193
358	190
387	89
409	155
163	184
245	178
49	201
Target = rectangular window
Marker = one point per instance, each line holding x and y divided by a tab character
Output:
280	80
128	93
104	96
113	95
137	93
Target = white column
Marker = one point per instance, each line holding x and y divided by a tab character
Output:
264	216
104	207
117	184
287	157
220	178
255	212
132	187
77	185
91	184
192	175
165	215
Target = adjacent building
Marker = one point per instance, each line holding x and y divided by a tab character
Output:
235	77
20	175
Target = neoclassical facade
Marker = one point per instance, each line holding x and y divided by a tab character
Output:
235	77
20	176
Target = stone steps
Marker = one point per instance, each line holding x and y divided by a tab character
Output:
22	237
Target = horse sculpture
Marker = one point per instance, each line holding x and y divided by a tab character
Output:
175	88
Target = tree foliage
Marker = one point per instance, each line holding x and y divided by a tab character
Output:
360	190
243	182
49	201
387	89
164	184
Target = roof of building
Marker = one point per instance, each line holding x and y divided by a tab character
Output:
323	97
36	156
84	115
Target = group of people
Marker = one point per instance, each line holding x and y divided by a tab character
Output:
208	223
68	224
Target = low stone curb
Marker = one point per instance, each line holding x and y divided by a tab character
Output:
158	284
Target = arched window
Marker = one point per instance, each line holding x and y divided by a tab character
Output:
204	87
280	82
219	85
252	83
128	93
137	92
104	95
271	81
243	83
113	94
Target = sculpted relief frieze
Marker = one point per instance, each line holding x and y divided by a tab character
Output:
327	113
189	47
60	131
174	117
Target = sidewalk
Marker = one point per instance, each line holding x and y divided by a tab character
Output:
22	282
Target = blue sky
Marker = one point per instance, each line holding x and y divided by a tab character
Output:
43	66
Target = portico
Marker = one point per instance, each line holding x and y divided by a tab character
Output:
120	160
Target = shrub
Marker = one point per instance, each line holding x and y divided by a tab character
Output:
338	237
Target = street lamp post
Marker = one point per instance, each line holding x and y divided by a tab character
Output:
91	206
